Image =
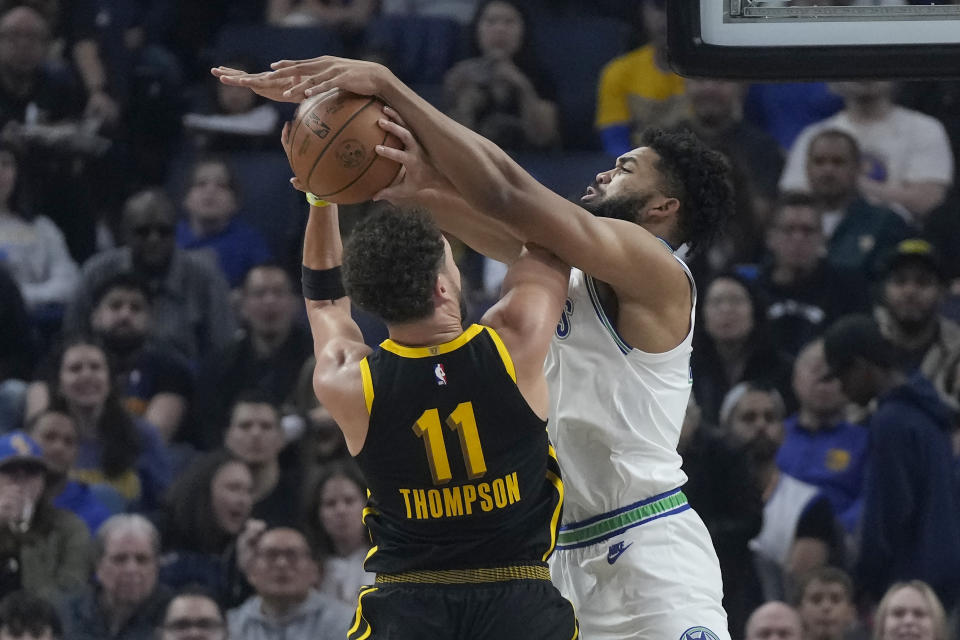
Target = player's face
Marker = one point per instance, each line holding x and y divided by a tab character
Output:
912	294
826	610
341	512
908	617
268	305
832	168
57	436
796	238
500	31
84	376
254	434
231	494
628	190
122	317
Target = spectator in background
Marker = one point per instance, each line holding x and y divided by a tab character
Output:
17	352
912	291
784	109
461	11
821	448
734	344
33	248
825	601
774	620
195	615
859	233
267	356
255	437
283	573
906	158
336	532
205	512
212	201
24	615
346	17
232	118
114	448
638	89
56	434
43	549
911	510
500	91
798	532
804	292
191	306
127	602
910	610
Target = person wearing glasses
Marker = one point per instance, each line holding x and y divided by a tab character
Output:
191	306
193	615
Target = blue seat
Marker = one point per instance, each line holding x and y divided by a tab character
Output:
572	52
265	44
418	49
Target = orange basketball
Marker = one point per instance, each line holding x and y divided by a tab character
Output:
332	147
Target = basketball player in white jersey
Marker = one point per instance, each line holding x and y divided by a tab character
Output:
635	560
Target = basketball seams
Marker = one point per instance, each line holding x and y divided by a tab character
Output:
331	141
361	174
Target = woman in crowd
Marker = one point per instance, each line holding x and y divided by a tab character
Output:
206	510
910	610
500	92
335	529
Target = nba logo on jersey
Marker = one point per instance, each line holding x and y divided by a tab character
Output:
441	374
698	633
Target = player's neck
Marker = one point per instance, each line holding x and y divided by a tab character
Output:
439	329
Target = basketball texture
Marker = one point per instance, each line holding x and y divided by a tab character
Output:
332	147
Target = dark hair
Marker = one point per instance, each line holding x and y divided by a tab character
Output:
189	522
320	542
268	264
390	265
193	590
697	176
233	180
154	199
827	574
839	134
857	336
252	396
23	613
789	199
116	431
525	58
125	280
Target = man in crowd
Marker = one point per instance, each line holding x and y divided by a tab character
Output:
193	615
774	621
23	615
824	600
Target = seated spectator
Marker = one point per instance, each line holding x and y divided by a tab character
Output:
335	530
733	344
906	158
205	512
798	532
286	605
913	288
195	615
859	233
211	203
127	602
784	109
500	91
113	447
825	601
32	247
721	488
43	549
911	509
190	297
56	433
18	351
638	89
460	10
804	291
910	610
234	119
267	356
821	448
774	620
24	615
255	437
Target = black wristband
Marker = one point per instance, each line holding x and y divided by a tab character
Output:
321	284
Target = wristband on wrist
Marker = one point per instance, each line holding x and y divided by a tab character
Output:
321	284
316	202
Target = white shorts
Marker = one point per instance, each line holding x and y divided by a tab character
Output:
658	579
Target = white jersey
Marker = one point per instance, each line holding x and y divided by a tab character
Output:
616	412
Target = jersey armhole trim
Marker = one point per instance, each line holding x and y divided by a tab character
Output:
367	384
504	354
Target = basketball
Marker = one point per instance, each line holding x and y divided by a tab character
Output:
333	138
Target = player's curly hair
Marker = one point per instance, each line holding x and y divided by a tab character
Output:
697	176
390	264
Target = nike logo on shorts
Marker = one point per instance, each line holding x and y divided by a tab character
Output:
616	550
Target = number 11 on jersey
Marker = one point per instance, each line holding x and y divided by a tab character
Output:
464	423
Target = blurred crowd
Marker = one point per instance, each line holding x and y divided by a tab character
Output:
165	468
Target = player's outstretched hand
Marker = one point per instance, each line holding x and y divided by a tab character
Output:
263	84
418	173
317	75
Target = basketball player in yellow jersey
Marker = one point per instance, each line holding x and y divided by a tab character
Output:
448	426
633	557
